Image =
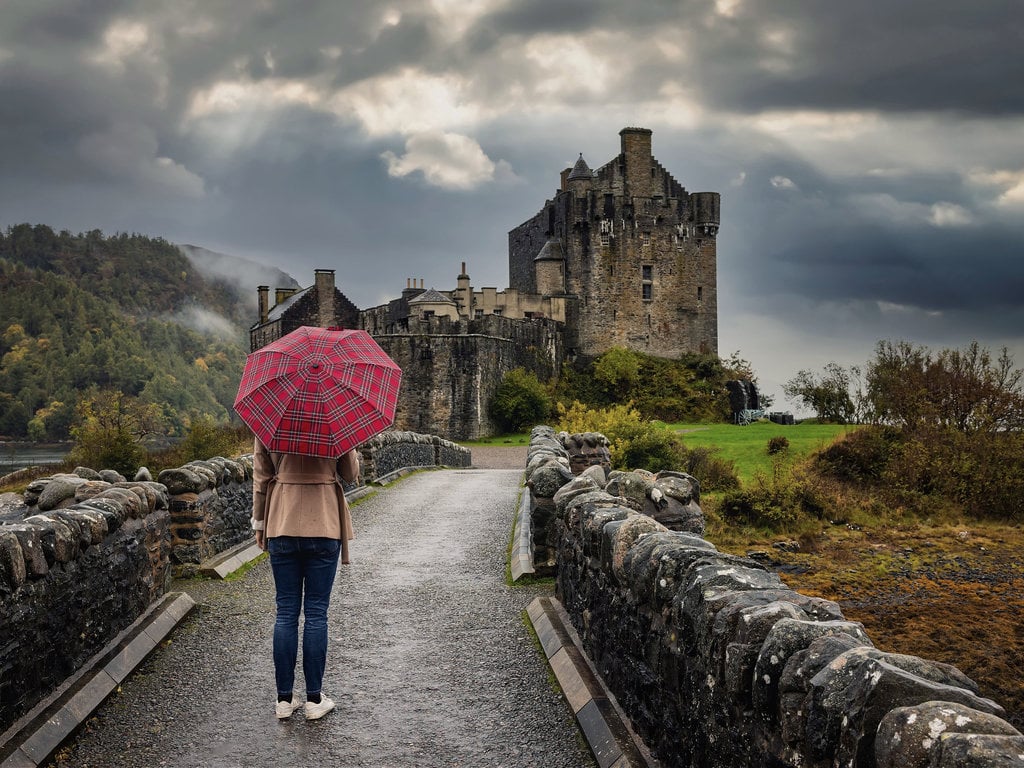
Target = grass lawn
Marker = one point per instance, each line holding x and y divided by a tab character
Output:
747	445
502	441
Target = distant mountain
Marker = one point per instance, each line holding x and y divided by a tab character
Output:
82	313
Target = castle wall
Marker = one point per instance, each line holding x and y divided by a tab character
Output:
524	243
451	370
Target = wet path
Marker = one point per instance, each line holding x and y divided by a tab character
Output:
430	662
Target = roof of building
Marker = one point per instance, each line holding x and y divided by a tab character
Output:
552	251
581	170
277	312
431	296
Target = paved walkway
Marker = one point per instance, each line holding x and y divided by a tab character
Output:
430	661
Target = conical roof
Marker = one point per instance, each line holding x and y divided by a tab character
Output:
581	170
552	251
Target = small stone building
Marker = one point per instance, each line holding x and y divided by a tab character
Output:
321	304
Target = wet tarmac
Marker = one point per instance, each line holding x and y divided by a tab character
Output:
431	662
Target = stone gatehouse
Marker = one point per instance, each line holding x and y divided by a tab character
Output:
622	256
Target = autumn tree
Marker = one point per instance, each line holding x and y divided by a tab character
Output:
967	390
110	430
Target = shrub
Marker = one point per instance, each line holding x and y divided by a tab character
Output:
713	472
778	444
635	443
861	455
520	402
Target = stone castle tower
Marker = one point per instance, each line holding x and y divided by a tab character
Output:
632	253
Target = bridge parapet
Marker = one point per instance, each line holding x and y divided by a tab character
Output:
718	663
83	555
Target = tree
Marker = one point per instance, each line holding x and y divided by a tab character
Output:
828	393
520	402
110	430
964	390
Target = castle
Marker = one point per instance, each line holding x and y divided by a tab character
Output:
622	256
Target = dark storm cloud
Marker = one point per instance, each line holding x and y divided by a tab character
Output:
914	55
270	129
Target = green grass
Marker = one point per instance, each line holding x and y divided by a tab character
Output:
747	445
501	441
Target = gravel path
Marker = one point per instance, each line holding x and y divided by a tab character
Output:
430	660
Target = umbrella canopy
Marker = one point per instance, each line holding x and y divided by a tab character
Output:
318	391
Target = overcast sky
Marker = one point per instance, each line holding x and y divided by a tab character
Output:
870	155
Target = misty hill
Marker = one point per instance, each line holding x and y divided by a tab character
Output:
243	274
82	313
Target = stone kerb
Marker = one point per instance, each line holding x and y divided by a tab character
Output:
87	557
718	663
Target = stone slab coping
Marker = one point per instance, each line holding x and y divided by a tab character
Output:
223	564
521	563
604	726
36	736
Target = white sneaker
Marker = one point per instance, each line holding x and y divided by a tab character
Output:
284	709
314	711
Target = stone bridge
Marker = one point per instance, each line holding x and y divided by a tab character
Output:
668	652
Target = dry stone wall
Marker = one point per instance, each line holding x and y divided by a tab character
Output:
85	558
719	664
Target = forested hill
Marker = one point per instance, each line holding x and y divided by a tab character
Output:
81	314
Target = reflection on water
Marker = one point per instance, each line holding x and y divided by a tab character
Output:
15	456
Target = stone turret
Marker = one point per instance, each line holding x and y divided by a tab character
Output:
550	269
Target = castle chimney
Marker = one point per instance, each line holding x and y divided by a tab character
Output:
325	297
565	179
280	294
464	294
636	149
263	291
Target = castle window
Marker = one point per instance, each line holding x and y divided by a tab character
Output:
497	311
647	282
648	292
645	238
700	294
647	272
605	238
478	314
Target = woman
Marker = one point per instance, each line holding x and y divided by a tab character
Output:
300	516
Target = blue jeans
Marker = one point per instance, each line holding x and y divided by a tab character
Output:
302	564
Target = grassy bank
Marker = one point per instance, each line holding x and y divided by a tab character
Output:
941	586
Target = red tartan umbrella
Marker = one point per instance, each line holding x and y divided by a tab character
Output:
318	391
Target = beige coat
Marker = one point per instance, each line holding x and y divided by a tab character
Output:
296	495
